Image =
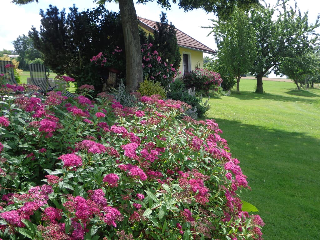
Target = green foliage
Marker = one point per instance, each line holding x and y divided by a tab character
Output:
123	97
77	37
236	42
202	80
178	91
36	61
165	42
160	53
142	172
149	88
281	32
248	207
16	75
24	46
6	52
216	66
261	129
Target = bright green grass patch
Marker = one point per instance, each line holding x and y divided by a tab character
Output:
276	137
26	74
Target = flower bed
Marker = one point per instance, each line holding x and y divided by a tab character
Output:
83	169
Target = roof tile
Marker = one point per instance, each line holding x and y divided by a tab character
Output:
183	39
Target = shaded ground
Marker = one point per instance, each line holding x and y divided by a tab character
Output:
270	79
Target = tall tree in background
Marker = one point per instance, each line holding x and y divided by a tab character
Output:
236	44
24	47
131	31
69	41
280	33
165	42
301	68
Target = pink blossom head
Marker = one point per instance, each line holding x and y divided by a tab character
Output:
140	196
1	147
91	146
52	214
4	121
100	115
52	179
111	215
112	179
71	160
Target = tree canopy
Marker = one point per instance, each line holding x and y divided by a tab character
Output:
23	46
129	20
281	32
236	44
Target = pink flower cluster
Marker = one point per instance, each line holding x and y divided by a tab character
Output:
99	59
100	115
16	88
134	171
91	146
84	101
84	210
130	150
9	66
52	179
112	179
87	87
4	122
194	182
29	104
77	111
33	200
47	126
66	78
55	98
71	160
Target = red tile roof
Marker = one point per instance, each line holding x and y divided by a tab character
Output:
184	40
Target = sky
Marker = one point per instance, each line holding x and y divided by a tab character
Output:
17	20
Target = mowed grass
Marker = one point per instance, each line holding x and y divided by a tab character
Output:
26	74
276	137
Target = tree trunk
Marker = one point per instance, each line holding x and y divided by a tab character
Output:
238	83
259	83
297	83
134	73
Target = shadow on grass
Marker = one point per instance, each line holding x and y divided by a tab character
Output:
246	95
283	172
303	93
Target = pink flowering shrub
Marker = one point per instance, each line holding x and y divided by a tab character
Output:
155	68
94	169
203	80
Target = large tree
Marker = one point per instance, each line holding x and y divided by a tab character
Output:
131	32
69	41
302	68
236	44
281	32
24	46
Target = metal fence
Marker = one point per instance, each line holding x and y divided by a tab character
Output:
7	69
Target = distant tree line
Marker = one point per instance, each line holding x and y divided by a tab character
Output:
266	38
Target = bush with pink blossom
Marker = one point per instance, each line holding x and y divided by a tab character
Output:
203	80
74	169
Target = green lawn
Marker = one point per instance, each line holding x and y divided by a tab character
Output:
26	74
276	137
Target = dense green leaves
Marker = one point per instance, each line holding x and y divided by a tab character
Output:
236	44
69	41
281	32
23	46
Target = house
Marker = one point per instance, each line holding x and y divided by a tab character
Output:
190	49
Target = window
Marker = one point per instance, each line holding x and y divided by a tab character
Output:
186	63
